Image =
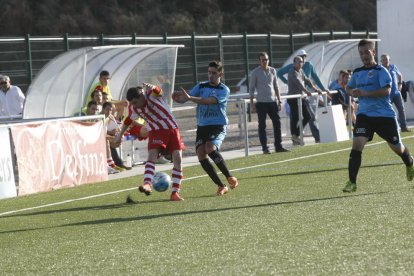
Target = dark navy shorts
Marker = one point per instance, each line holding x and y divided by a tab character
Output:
385	127
213	133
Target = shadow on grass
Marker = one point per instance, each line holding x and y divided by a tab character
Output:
147	217
87	208
320	171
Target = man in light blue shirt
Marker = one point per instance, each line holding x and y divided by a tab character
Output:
371	83
211	98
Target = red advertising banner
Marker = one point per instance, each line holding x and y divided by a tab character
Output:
52	155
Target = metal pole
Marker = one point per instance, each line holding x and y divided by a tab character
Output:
300	121
269	47
101	39
29	58
66	42
350	117
134	38
292	44
220	44
195	73
246	68
246	130
165	38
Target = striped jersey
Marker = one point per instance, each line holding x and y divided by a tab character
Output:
155	112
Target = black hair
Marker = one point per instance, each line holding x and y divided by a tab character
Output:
103	73
133	93
107	104
216	64
91	103
263	54
364	42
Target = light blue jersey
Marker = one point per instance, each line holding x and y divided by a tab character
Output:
371	79
394	72
211	114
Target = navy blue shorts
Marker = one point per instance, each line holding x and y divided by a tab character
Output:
385	127
213	133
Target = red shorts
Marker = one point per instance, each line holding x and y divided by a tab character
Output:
165	139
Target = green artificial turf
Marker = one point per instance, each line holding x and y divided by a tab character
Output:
287	217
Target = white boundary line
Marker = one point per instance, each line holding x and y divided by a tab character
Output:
190	178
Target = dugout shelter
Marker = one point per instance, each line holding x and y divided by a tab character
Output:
61	87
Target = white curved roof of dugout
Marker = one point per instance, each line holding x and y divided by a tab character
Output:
329	57
61	87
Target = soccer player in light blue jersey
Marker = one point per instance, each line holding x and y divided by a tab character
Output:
211	98
371	83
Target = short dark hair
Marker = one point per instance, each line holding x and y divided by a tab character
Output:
364	42
133	93
216	64
105	105
91	103
104	73
296	58
344	72
93	93
263	54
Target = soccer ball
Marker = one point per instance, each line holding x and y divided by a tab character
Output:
161	182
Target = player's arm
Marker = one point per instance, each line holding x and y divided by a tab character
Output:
382	92
156	91
198	100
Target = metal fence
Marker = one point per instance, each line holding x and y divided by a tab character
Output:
22	58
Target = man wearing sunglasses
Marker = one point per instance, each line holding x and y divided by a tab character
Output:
11	98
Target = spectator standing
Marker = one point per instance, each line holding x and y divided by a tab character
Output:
311	74
11	98
396	86
211	98
263	80
371	83
163	134
296	86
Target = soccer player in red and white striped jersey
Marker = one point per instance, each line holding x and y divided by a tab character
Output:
163	133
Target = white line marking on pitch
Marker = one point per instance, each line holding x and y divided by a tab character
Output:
186	179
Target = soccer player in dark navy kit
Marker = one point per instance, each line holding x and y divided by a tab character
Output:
211	98
371	83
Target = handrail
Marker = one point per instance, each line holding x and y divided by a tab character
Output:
244	99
